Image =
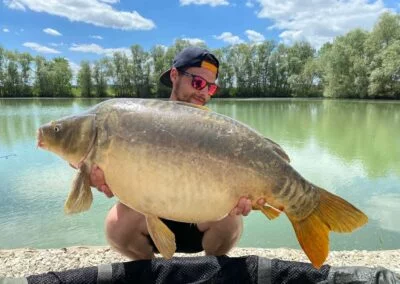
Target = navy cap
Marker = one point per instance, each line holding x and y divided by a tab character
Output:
192	57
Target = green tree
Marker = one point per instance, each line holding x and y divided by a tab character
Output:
239	57
385	78
2	75
308	82
42	78
100	77
279	73
300	56
140	72
25	61
263	67
385	31
159	65
12	82
181	44
121	74
61	74
226	74
53	78
346	69
382	51
85	79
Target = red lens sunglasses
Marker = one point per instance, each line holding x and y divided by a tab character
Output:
199	83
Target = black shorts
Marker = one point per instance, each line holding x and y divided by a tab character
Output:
188	238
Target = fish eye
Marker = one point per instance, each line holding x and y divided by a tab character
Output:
57	128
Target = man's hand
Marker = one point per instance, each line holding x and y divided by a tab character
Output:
97	180
244	206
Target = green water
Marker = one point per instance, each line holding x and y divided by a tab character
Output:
351	148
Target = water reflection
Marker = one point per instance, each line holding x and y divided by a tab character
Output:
385	208
354	131
20	118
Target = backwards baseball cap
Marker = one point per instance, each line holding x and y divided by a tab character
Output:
192	57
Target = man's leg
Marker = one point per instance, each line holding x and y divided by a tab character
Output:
126	231
220	236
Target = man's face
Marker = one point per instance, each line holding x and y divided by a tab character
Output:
183	90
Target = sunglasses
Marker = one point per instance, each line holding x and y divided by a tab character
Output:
199	83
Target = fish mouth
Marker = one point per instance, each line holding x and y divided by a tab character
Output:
39	137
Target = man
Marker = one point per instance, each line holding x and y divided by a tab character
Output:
192	79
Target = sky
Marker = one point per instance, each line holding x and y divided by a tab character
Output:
91	29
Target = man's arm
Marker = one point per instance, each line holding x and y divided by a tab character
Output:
97	180
244	206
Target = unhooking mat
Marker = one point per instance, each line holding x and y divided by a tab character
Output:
211	269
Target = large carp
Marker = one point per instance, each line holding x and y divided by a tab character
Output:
182	162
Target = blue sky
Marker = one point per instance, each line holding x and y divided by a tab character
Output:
91	29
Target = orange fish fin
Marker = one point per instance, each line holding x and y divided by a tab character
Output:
163	237
338	214
313	236
268	211
332	214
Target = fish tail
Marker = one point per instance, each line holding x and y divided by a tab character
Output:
332	214
80	197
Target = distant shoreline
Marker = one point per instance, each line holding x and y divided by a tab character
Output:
214	98
26	261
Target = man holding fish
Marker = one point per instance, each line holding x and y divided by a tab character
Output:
179	161
192	79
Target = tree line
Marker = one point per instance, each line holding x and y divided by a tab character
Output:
359	64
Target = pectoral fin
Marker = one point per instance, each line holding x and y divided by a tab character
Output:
162	236
80	197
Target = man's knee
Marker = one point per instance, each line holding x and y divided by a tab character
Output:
220	237
122	224
127	232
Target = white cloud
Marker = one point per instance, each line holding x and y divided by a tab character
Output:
229	38
56	44
319	21
212	3
88	11
254	36
194	41
95	48
87	48
52	32
40	48
96	37
110	1
14	5
6	30
249	4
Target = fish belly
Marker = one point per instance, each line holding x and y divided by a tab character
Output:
178	186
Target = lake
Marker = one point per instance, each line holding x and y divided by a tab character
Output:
351	148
